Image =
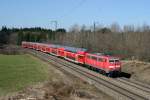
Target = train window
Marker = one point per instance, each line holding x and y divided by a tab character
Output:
94	58
101	60
88	56
80	56
116	60
113	60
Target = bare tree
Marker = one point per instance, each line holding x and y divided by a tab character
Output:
115	27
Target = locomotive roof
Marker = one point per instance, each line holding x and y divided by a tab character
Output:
103	55
97	54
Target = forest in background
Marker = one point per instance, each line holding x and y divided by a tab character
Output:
127	42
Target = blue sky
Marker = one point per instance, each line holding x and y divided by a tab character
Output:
32	13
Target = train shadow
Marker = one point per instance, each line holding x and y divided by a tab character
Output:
117	75
125	75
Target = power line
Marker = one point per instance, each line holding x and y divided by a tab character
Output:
74	8
69	12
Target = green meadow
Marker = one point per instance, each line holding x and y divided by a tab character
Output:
20	71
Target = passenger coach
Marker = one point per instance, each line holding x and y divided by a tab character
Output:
76	55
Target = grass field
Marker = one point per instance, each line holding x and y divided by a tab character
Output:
19	71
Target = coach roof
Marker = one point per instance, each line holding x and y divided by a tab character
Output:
73	49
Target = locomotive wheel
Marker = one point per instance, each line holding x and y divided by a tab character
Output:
89	67
100	71
103	72
110	74
92	68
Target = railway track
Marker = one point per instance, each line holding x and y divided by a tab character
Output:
118	88
135	84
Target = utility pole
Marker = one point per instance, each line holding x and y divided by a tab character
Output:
94	26
55	23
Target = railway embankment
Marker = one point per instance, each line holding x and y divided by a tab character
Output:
65	86
119	89
138	70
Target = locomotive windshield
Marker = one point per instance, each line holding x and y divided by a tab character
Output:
114	60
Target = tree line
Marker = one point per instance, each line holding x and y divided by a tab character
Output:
127	41
37	34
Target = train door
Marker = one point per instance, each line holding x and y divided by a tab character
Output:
54	51
87	59
61	52
47	49
80	58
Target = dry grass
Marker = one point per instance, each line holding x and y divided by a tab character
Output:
139	70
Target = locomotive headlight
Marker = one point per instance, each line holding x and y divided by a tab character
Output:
111	67
118	66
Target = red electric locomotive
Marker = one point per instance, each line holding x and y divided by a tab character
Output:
105	64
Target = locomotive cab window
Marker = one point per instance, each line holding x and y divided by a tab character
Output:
80	56
94	58
117	60
101	59
88	56
111	61
114	60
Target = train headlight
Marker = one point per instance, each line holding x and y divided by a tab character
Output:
117	66
111	67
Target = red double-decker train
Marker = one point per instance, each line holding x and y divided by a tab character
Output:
105	64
